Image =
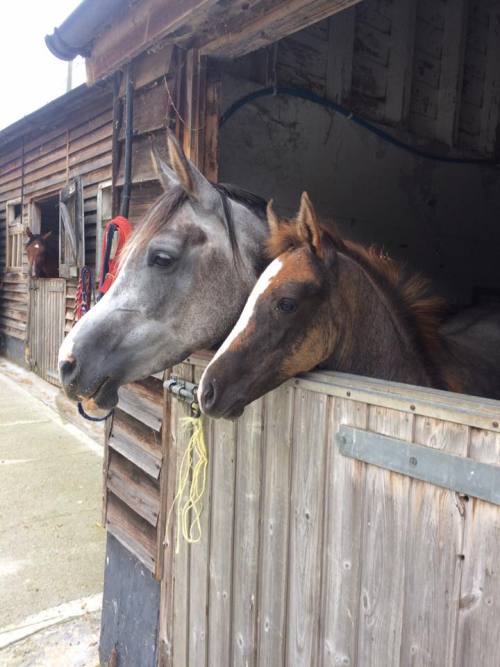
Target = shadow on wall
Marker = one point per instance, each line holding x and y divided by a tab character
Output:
441	218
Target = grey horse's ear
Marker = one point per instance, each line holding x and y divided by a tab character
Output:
190	178
166	176
272	219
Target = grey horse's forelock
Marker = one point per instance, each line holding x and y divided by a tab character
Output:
171	201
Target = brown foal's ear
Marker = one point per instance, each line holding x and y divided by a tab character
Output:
307	224
29	233
46	235
190	178
272	219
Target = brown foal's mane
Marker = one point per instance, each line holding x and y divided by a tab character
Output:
410	293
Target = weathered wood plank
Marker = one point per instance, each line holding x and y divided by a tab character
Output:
400	69
459	408
221	542
279	21
384	550
344	492
306	527
433	567
275	514
340	52
246	536
198	564
491	101
133	487
452	61
131	530
477	642
179	440
128	447
141	405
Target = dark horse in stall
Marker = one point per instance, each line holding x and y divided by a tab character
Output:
42	255
324	301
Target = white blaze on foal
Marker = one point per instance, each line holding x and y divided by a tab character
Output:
246	315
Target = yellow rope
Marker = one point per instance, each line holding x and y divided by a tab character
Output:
192	479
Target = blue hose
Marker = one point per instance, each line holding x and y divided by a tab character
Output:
305	94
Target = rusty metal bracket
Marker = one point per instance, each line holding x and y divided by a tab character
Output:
185	391
457	473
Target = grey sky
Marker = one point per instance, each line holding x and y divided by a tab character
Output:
30	76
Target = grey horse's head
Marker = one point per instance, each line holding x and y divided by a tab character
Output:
185	275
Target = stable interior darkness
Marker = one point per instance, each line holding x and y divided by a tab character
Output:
441	218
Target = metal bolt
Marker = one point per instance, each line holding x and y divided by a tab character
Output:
495	424
412	407
348	393
413	461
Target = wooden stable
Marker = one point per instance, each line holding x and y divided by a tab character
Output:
311	557
308	556
66	142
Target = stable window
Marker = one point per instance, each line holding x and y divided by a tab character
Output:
14	237
104	215
71	230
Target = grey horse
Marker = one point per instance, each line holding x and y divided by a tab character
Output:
185	275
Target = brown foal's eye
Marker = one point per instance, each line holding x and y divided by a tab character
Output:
287	305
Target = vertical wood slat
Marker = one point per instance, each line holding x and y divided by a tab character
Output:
491	99
452	61
174	607
221	542
433	566
246	535
273	560
199	564
477	637
345	479
340	50
181	580
306	528
400	69
384	550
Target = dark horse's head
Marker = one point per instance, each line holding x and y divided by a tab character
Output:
42	256
185	275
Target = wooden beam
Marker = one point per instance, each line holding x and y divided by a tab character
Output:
281	20
340	52
400	72
142	26
491	97
450	83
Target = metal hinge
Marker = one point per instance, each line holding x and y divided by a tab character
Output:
184	391
457	473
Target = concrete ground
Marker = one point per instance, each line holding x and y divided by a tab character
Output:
51	539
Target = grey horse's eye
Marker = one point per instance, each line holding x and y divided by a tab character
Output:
287	305
162	259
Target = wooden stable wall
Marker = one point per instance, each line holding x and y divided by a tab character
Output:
134	471
67	138
309	557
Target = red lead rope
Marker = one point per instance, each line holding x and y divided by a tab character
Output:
109	266
83	299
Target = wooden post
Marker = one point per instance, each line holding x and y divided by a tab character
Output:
195	105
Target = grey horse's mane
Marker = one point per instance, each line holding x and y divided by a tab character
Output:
171	201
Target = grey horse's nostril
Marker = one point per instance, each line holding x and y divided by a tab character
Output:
67	367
